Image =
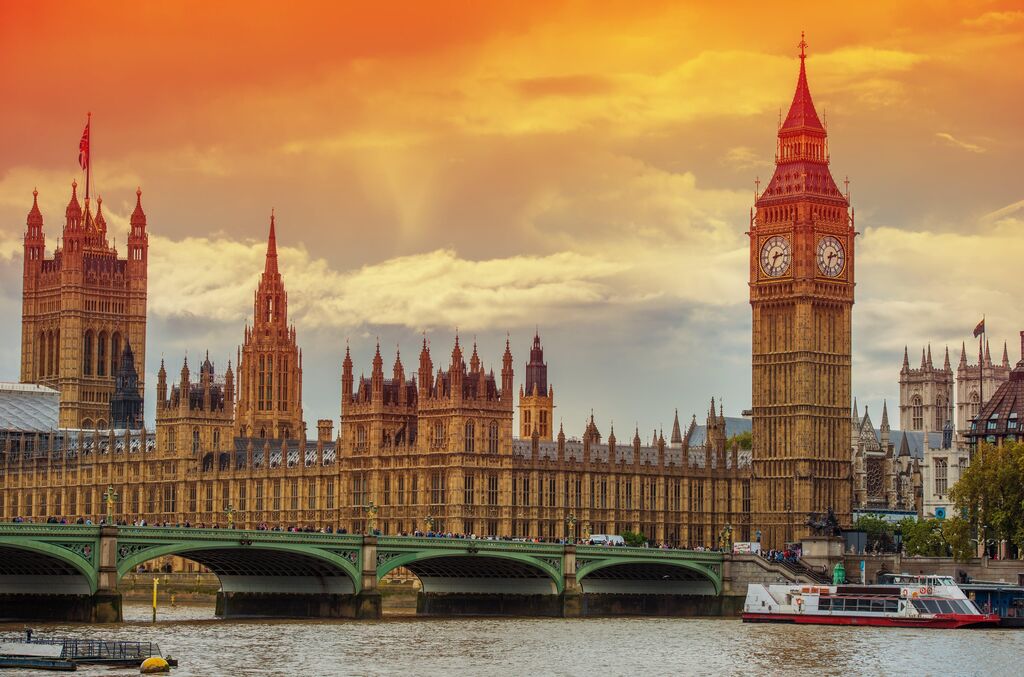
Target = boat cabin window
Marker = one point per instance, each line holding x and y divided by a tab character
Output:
943	606
858	604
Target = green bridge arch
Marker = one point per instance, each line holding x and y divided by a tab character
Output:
74	558
468	554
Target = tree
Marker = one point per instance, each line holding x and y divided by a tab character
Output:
956	532
744	439
923	537
879	532
634	539
990	493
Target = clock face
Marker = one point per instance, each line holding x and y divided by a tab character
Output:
831	256
775	256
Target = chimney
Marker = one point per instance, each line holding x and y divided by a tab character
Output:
325	429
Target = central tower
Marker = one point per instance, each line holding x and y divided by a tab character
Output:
270	363
801	294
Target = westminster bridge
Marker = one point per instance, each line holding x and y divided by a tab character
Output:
71	572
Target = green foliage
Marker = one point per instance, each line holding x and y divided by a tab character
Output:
991	492
923	537
743	439
634	539
956	532
879	532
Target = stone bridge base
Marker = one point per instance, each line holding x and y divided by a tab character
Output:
102	607
365	605
576	605
662	605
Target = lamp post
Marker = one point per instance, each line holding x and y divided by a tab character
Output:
230	512
371	517
728	537
570	524
586	531
110	497
429	521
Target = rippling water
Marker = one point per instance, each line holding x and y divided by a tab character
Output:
594	647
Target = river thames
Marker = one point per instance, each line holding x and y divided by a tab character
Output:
407	646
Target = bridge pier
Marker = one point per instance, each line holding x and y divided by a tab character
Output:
106	603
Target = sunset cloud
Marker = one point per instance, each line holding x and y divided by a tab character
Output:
958	143
499	166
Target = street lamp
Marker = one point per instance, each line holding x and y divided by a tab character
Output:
110	497
570	523
371	517
586	531
230	512
429	521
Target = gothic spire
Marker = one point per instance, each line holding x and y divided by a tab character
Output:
1006	356
945	364
271	264
801	111
677	436
988	355
138	216
885	415
35	217
963	355
906	359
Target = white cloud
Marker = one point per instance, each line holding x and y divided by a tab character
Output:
959	143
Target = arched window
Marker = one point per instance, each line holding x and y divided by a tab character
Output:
917	413
195	440
975	407
492	437
361	438
87	348
216	439
115	353
172	439
470	435
41	366
101	354
940	413
437	441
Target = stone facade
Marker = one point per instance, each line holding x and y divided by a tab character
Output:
434	451
887	477
801	295
926	393
81	307
270	362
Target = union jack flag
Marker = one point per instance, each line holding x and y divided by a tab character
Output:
83	145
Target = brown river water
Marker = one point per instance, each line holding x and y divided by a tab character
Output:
408	646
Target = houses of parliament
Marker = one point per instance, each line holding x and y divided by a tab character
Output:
434	443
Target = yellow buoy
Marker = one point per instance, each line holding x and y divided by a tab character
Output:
154	665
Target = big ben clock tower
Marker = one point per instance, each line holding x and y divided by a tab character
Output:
801	295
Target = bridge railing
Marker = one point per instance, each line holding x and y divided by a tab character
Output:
45	529
255	535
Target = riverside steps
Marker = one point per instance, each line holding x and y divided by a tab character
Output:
71	572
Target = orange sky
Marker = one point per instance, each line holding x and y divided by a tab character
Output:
587	167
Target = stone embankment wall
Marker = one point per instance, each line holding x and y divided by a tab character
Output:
978	569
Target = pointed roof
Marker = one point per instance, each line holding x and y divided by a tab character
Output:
1006	356
801	111
945	364
963	354
988	355
35	217
677	436
271	264
906	358
885	414
74	209
138	216
904	446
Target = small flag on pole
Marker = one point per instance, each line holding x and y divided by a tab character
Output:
980	329
83	146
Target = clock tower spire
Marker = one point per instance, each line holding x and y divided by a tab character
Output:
801	296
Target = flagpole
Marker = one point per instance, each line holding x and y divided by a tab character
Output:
88	155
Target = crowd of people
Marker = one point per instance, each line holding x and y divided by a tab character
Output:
788	555
328	529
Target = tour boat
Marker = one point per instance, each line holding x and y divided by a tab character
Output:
908	602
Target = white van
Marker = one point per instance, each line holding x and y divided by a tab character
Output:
606	539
